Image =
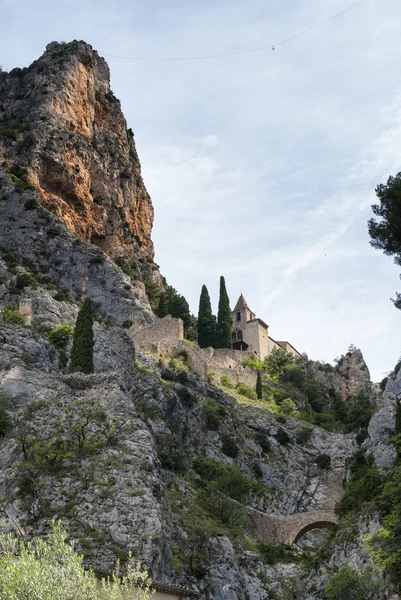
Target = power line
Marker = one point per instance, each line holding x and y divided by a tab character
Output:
209	56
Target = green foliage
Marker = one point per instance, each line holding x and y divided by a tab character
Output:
254	363
59	338
178	307
293	374
386	233
11	259
227	382
82	345
323	461
259	388
206	321
23	280
277	362
10	315
263	441
227	479
20	185
51	570
153	292
162	308
288	408
272	554
282	437
212	413
5	419
304	435
30	204
247	391
359	412
224	319
186	396
229	447
348	583
364	485
222	508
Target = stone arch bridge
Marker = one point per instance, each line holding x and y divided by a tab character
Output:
287	529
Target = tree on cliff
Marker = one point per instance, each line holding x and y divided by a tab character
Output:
82	345
386	233
259	389
206	321
224	319
162	309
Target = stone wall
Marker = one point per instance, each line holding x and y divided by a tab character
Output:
161	337
220	363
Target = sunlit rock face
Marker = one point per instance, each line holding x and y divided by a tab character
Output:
63	131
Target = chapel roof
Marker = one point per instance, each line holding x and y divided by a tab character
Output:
241	303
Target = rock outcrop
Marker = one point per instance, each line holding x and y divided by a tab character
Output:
62	130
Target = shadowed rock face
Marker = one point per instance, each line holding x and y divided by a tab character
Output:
62	129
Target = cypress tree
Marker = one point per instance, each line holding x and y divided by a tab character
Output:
162	309
224	319
259	389
82	344
206	321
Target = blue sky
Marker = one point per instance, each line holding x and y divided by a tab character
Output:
262	166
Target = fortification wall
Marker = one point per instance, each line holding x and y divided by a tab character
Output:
160	337
221	362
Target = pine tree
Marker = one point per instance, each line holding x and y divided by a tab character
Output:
259	389
162	309
206	321
224	319
82	345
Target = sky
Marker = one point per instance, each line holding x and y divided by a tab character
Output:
262	166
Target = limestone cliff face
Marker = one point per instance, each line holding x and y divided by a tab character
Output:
63	131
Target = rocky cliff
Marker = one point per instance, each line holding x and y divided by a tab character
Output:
171	465
62	130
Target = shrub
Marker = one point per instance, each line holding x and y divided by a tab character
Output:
263	442
229	447
247	391
11	315
23	280
30	204
63	296
272	554
228	479
281	419
82	346
226	382
347	583
127	324
304	435
363	486
323	461
221	507
212	413
282	437
59	337
186	397
289	408
11	259
5	420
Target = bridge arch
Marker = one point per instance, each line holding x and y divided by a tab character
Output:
311	526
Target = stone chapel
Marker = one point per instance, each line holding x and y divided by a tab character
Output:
251	333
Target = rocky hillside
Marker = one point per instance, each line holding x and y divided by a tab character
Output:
142	455
62	131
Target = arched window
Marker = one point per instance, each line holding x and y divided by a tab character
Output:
234	335
239	334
